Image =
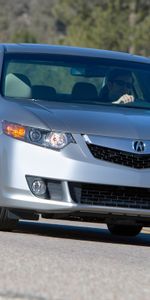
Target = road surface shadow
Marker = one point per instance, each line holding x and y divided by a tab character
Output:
80	232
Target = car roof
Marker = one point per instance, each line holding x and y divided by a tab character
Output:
69	50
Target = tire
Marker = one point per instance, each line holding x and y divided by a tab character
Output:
126	230
8	221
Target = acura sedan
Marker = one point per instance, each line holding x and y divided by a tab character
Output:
74	136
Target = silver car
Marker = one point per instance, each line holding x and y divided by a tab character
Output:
68	149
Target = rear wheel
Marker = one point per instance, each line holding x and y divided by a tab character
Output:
127	230
8	221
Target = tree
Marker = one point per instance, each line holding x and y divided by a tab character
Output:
110	24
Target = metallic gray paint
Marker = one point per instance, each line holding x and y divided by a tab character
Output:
106	126
68	50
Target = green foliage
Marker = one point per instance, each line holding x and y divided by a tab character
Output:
114	25
23	36
122	25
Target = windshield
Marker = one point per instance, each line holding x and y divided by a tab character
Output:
72	79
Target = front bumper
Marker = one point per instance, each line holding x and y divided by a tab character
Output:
72	164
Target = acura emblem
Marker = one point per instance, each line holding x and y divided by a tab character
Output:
138	146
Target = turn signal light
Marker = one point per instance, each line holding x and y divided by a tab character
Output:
14	130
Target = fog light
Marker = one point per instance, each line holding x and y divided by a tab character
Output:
38	187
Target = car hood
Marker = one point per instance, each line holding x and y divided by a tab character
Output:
112	121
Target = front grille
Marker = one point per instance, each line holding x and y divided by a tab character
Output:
109	195
138	161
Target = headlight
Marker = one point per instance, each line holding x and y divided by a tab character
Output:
57	140
49	139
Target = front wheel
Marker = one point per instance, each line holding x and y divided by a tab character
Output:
126	230
8	221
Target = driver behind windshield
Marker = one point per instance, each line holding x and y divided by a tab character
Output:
118	88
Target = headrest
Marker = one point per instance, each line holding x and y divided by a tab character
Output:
43	92
84	91
17	85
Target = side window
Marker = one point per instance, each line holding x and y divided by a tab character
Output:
137	91
143	85
17	85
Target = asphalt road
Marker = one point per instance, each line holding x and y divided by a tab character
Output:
62	260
